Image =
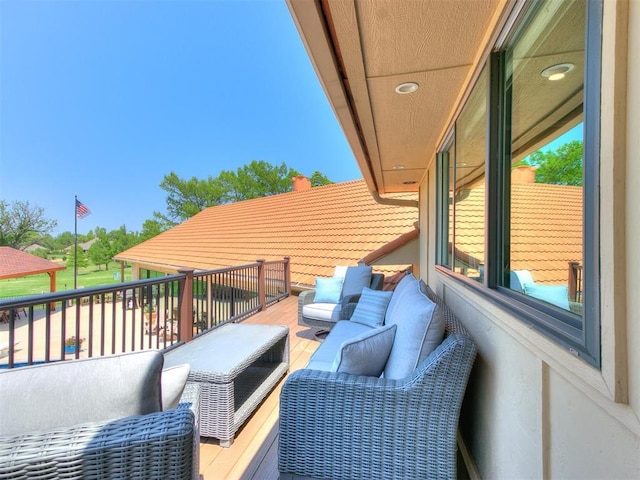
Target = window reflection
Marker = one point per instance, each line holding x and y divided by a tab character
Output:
545	70
467	194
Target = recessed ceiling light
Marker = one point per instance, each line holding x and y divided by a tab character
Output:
557	72
398	167
407	87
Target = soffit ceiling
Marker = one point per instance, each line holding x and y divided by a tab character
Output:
362	50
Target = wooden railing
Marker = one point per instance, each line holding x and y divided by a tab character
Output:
137	315
575	282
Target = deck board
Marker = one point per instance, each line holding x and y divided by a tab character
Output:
253	454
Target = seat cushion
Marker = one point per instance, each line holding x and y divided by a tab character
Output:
371	307
328	290
173	381
367	353
419	331
356	279
63	394
329	312
323	357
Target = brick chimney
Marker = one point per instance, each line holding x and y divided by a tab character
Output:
523	174
301	183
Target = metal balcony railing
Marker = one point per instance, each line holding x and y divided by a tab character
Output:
157	313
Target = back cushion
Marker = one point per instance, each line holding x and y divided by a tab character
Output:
67	393
396	298
356	279
419	329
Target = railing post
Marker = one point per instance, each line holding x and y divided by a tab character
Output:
185	303
262	294
573	280
287	275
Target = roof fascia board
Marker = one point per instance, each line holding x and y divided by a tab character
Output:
310	21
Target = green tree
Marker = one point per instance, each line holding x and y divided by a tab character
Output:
100	252
150	228
258	179
21	223
187	197
82	260
560	167
318	179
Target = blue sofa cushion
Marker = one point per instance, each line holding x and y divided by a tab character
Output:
356	279
420	328
323	357
367	353
328	290
371	307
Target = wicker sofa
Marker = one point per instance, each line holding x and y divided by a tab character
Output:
344	426
324	315
46	433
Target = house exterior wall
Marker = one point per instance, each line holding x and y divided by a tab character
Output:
532	409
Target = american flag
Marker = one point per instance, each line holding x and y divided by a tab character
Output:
81	209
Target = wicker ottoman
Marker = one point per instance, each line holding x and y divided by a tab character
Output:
236	366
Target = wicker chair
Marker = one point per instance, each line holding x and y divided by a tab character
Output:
156	445
308	296
341	426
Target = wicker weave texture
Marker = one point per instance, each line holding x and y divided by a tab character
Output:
342	426
159	445
227	400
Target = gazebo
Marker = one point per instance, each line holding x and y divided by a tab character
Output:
16	263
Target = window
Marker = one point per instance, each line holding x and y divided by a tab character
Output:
532	236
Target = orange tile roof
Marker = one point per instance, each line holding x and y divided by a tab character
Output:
336	224
16	263
546	228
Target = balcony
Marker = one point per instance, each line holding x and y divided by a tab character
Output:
112	319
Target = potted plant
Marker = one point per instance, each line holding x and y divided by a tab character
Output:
150	317
70	344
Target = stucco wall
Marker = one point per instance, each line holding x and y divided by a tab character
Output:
532	409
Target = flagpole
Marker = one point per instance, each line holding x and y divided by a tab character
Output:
75	243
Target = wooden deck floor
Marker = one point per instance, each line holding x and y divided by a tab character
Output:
253	454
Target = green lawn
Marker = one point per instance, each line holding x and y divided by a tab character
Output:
90	276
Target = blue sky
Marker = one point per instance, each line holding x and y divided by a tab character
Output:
103	98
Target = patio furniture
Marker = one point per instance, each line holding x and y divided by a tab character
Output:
345	426
236	366
314	311
99	418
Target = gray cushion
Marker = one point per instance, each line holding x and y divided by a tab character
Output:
396	298
67	393
371	307
173	381
419	330
326	352
367	353
356	279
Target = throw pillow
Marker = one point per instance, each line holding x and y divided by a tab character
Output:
371	307
328	290
355	280
172	383
555	294
420	331
367	353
